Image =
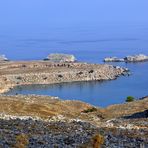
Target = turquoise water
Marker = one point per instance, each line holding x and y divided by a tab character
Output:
89	44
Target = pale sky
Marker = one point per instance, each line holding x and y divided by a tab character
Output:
57	12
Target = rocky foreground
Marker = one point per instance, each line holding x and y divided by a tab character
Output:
45	72
40	121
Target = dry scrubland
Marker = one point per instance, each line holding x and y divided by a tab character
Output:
42	121
45	107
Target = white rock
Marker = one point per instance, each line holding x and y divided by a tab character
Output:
3	58
113	59
136	58
61	58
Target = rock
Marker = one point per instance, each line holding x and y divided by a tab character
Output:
142	98
113	59
61	58
136	58
138	115
3	58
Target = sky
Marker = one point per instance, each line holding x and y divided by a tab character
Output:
68	12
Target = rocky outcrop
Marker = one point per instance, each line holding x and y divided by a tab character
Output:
113	59
3	58
61	58
134	58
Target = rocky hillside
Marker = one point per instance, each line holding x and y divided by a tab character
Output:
40	121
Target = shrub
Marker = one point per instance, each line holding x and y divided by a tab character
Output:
93	109
19	78
60	76
44	78
22	141
91	71
95	141
130	99
80	73
98	140
24	65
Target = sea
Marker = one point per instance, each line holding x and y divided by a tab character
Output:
89	43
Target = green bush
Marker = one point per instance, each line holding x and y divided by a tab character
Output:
130	99
93	109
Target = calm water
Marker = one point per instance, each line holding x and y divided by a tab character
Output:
90	44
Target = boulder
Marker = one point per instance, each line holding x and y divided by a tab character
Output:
61	58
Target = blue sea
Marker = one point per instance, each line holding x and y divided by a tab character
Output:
89	43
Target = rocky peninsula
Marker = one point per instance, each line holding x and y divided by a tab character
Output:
44	72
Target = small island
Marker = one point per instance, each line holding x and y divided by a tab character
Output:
59	58
134	58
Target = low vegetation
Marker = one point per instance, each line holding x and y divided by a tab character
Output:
98	140
92	109
130	99
22	141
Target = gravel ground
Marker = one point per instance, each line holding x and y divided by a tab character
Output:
37	133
